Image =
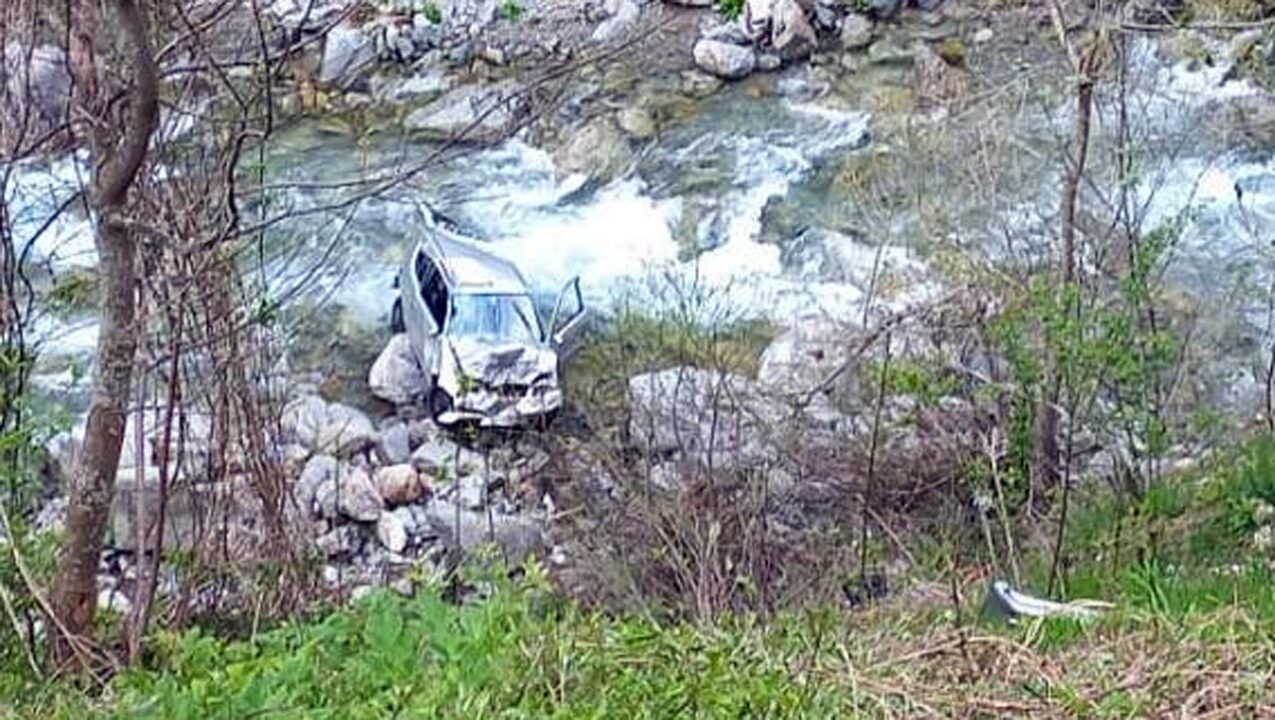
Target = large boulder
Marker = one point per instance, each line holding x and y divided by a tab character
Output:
303	419
348	54
792	35
856	32
37	89
517	537
398	484
723	59
345	431
396	376
471	113
808	358
599	150
719	419
349	493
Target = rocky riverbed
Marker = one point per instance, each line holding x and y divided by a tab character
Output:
758	163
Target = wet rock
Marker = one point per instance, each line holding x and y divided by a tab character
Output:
638	122
724	60
395	445
351	493
391	533
889	51
427	83
345	431
696	84
793	37
348	53
982	36
729	32
769	62
856	32
884	9
929	5
398	484
1243	44
622	16
396	376
471	113
343	540
598	150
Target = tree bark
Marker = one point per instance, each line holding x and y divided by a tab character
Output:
118	148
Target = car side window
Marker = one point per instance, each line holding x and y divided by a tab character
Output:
433	289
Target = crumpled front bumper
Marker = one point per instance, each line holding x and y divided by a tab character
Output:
489	407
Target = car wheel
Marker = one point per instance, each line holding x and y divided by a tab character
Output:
396	317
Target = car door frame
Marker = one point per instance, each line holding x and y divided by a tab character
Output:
564	332
422	330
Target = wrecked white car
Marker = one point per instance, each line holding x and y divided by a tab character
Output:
474	329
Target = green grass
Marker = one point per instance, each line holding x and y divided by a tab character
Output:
1192	632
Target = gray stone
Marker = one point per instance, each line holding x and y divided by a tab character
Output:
718	419
426	84
345	431
444	460
342	540
889	51
884	9
348	52
395	445
793	36
698	84
638	122
982	36
856	32
317	471
769	62
517	537
303	418
803	356
396	376
724	60
622	16
391	532
114	601
471	113
928	5
350	493
729	32
598	150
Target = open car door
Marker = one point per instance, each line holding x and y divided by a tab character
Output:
567	322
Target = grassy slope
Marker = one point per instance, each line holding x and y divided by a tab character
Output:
1192	634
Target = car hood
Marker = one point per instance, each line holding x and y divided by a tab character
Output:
498	364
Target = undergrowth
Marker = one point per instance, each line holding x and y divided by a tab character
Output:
1191	633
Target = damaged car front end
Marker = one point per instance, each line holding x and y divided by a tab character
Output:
477	336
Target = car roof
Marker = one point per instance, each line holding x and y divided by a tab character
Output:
469	268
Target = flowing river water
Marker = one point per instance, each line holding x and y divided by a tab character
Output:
743	202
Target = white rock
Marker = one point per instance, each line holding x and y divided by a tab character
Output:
483	113
395	445
303	418
350	493
395	376
622	16
318	470
723	59
345	431
114	601
856	32
391	533
347	52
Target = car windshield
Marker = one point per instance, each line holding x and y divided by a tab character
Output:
494	318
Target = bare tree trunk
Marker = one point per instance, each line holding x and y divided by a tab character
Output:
118	149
